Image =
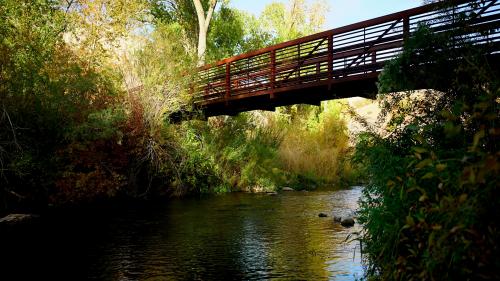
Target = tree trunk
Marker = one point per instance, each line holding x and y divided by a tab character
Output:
203	23
202	45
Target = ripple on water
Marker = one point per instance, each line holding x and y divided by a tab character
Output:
231	236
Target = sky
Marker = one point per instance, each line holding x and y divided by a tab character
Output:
342	12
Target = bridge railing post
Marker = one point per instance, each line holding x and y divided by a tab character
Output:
406	28
330	57
272	79
228	81
299	62
374	61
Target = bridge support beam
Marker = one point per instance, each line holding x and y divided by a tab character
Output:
315	103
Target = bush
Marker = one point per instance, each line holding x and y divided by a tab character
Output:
429	210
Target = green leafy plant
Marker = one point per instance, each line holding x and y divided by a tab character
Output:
429	209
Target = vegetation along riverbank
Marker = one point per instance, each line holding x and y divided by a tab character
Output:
86	88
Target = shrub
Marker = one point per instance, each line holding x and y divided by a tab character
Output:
429	209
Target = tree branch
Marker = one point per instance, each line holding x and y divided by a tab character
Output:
211	9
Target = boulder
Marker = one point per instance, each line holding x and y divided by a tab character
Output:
337	219
322	215
286	188
347	222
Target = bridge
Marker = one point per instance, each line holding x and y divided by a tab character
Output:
338	63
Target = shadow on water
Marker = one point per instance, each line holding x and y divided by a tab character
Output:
230	236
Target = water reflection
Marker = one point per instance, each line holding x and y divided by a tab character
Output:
233	236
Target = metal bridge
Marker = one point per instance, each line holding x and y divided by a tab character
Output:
338	63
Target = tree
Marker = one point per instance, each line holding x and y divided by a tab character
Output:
193	15
98	27
203	23
293	20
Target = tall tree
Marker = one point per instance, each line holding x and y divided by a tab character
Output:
194	16
203	23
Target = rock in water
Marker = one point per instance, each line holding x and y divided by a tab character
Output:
347	222
337	219
322	215
286	188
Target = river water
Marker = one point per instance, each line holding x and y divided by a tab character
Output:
222	237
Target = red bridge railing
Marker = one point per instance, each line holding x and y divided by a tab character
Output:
351	52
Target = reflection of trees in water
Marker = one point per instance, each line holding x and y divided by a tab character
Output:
236	235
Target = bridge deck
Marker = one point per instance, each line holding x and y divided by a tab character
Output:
338	63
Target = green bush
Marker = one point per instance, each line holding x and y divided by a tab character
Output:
430	207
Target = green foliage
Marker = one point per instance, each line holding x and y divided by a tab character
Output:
293	20
181	12
68	133
233	32
245	152
84	95
430	208
226	33
260	151
315	146
43	91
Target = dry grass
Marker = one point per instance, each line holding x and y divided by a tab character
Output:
317	146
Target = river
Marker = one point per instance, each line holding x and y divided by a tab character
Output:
233	236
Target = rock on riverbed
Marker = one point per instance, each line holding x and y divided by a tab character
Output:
347	222
17	219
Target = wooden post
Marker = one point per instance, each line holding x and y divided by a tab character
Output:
298	61
273	72
374	60
228	81
330	59
406	28
318	69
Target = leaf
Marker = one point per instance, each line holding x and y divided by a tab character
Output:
437	227
419	150
424	163
456	228
431	239
462	198
429	175
390	184
410	221
440	167
477	137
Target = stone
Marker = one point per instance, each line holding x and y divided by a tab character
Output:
337	219
347	222
286	188
322	215
17	218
